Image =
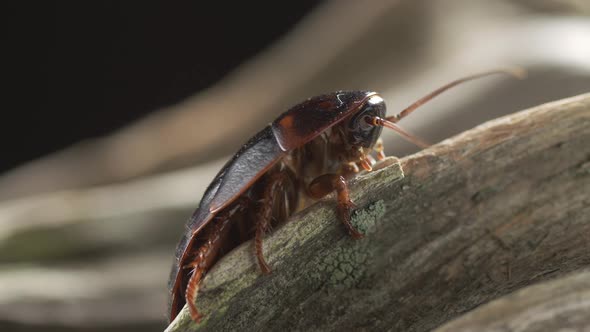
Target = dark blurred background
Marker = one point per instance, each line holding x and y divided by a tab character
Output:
92	67
122	112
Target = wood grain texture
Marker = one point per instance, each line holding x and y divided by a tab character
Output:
561	304
477	216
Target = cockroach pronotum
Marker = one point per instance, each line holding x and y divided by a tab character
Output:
307	153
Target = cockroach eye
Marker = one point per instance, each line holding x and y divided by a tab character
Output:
369	120
362	131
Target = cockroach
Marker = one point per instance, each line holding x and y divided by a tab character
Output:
308	152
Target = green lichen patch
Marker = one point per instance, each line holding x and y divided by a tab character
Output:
345	266
364	220
342	268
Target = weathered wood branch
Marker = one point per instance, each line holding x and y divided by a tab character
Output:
556	305
477	216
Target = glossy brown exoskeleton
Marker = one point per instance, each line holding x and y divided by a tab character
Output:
307	153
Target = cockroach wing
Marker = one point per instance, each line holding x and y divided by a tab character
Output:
237	176
252	161
305	121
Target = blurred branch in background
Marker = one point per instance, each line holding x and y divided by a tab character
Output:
550	306
402	49
212	123
87	234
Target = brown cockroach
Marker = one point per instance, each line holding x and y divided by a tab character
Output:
307	153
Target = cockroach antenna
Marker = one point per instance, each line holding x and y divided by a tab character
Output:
390	121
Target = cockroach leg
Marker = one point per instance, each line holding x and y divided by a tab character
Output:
261	228
205	257
191	293
379	149
366	164
275	184
350	168
327	183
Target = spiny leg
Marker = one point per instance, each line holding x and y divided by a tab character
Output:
191	293
276	182
379	149
327	183
349	169
206	254
261	228
203	260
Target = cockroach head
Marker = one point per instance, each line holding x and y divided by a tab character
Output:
360	131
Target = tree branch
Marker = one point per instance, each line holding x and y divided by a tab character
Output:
555	305
476	216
